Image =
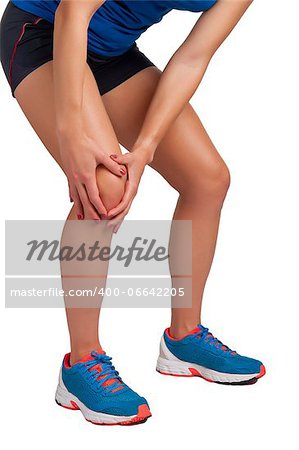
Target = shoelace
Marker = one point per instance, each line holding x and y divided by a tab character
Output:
107	372
205	334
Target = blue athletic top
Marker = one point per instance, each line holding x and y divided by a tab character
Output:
117	24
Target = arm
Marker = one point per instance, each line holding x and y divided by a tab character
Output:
189	64
181	78
80	153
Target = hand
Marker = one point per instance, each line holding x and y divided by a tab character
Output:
80	157
135	163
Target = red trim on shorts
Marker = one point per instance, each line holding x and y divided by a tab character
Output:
16	46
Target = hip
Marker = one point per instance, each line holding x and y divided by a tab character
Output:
26	43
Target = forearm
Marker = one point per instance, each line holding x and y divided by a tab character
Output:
69	62
177	84
186	69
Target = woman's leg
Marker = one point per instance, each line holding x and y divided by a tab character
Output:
35	96
188	160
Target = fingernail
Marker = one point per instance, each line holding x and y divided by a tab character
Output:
123	172
80	217
113	156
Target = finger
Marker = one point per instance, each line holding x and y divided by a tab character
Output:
121	206
117	227
89	211
77	204
113	166
94	197
117	221
128	197
120	159
70	195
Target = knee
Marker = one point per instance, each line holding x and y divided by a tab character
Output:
219	182
111	187
111	190
211	188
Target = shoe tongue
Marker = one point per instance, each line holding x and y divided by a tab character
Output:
89	357
199	329
98	367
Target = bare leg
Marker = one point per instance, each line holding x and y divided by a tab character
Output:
188	160
35	96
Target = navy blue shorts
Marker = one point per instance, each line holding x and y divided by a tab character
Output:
26	43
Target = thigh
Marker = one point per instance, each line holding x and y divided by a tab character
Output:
35	95
186	156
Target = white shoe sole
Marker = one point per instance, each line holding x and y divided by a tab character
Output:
169	364
67	400
185	369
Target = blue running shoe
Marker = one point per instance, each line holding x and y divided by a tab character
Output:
94	387
200	354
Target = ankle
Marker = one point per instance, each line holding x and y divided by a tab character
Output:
78	353
178	331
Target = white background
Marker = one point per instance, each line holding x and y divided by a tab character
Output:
248	102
